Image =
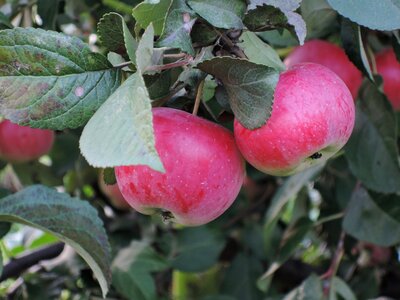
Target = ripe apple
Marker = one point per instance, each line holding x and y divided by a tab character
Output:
389	68
204	170
22	144
330	56
113	194
312	118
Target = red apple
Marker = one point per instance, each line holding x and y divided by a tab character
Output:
312	118
330	56
22	144
113	193
204	170
389	68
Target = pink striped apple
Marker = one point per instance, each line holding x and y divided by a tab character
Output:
312	119
22	144
389	68
113	193
331	56
204	170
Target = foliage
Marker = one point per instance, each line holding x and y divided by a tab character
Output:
329	232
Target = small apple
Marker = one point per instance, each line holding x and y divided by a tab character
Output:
204	170
389	68
312	118
22	144
330	56
113	193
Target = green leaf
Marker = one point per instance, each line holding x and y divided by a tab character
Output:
290	188
354	47
198	249
340	287
292	238
265	17
64	153
50	80
288	8
310	289
118	5
320	18
380	15
4	228
121	132
5	22
250	87
48	10
240	278
158	85
177	27
73	221
132	269
259	52
152	12
1	261
145	49
289	243
114	34
372	149
373	217
221	14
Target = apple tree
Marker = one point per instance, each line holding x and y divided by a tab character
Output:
199	149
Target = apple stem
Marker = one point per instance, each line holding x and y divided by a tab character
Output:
175	55
198	97
175	64
179	289
179	63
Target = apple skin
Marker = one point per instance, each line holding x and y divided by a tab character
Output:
204	170
113	194
389	68
312	118
22	144
330	56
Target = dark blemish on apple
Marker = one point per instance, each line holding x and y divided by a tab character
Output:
166	215
316	155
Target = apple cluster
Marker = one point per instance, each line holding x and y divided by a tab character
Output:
312	118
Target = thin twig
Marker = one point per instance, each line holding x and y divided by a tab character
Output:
175	55
198	98
179	63
337	257
19	265
124	64
329	218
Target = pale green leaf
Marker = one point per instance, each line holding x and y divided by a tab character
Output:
145	51
259	52
177	27
151	12
221	14
121	132
380	15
